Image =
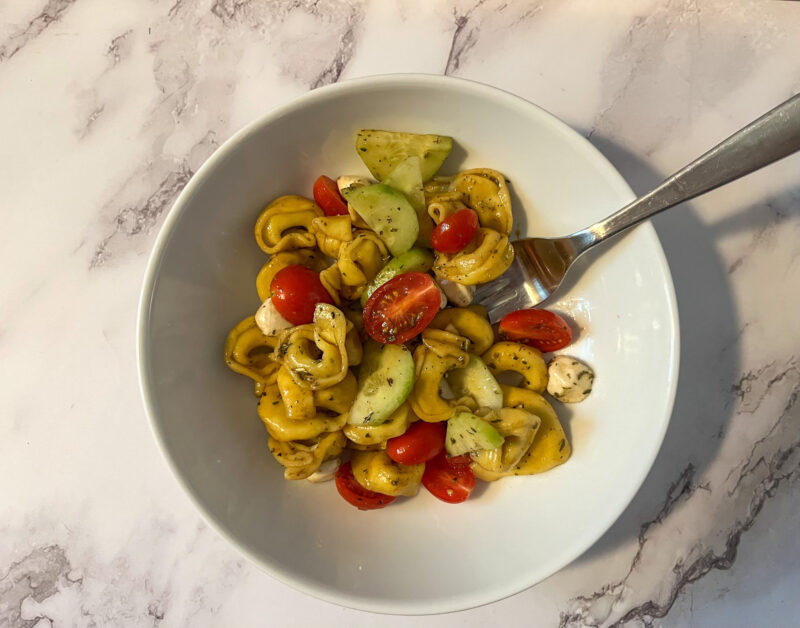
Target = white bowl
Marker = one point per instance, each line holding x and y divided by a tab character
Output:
419	555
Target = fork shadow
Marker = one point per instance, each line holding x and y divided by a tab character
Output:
710	336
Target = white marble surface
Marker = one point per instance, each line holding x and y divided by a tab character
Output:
106	109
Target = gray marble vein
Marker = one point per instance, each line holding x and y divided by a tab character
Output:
333	71
119	46
464	39
37	576
773	460
50	13
473	19
132	221
178	77
99	148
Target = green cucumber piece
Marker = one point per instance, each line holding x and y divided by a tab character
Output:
388	213
467	433
407	177
412	260
385	380
381	151
476	380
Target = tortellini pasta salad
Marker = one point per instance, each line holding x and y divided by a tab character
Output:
371	364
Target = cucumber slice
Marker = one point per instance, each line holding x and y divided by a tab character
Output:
476	380
412	260
467	433
388	213
407	177
381	151
385	380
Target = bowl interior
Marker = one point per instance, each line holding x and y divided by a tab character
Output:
420	555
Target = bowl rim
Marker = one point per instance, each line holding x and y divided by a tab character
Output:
156	257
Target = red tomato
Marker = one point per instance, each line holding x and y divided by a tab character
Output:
542	329
326	194
357	495
296	290
419	443
449	479
401	308
455	232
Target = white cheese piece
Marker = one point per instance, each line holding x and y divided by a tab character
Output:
325	472
458	294
442	295
569	380
269	320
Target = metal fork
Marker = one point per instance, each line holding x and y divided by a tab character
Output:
540	264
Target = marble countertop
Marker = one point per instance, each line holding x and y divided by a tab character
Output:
106	110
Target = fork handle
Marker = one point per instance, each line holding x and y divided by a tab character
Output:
773	136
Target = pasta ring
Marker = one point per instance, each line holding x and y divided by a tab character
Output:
519	358
317	355
249	352
376	471
467	322
361	258
485	191
285	224
443	205
301	459
550	446
425	398
486	258
331	232
272	412
519	427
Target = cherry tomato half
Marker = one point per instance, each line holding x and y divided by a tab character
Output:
401	308
542	329
455	232
296	290
357	495
449	479
327	196
419	443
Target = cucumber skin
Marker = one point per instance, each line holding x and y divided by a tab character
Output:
388	213
389	362
415	259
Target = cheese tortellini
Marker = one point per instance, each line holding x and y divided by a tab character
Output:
468	322
549	447
285	224
331	233
306	375
302	459
318	354
513	356
375	436
376	471
518	427
490	253
358	260
439	352
486	191
486	258
249	352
